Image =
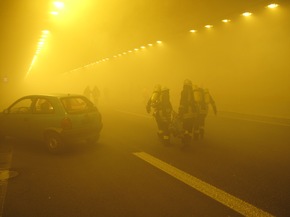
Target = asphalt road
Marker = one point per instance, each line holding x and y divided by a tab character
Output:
241	168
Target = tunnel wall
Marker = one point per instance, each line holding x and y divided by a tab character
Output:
244	64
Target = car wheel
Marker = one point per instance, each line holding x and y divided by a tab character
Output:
54	143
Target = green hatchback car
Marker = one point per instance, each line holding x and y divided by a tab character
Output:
56	120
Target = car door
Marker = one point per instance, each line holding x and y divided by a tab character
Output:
16	119
44	117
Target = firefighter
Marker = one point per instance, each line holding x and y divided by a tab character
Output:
87	92
187	111
95	95
209	101
162	109
203	101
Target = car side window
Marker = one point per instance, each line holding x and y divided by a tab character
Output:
43	106
76	105
21	107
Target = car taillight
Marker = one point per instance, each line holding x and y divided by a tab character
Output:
66	123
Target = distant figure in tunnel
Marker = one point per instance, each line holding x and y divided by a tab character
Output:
187	111
96	95
87	92
203	101
162	109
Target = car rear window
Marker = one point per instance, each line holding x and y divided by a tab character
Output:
74	105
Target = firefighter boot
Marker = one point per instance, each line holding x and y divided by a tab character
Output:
166	140
160	134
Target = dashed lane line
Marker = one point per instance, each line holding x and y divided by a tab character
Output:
228	200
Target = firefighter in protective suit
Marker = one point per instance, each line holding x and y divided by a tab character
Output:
187	111
203	101
162	109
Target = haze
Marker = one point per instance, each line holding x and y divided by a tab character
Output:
244	63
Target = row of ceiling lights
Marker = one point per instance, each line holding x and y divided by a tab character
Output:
143	47
57	7
245	14
208	26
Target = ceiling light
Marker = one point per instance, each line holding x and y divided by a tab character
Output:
226	20
247	14
55	13
272	6
59	5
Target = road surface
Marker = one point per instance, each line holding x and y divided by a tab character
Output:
241	168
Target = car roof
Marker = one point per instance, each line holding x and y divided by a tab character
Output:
54	95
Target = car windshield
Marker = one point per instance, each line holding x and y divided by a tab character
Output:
77	105
22	106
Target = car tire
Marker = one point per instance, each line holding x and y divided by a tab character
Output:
54	143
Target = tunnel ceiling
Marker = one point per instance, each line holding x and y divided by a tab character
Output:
87	31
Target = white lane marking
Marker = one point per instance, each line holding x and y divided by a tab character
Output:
228	200
3	191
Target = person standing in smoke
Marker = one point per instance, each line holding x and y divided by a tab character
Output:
162	109
87	92
187	111
96	95
203	101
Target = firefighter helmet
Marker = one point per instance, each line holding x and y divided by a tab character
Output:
157	88
187	82
164	88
